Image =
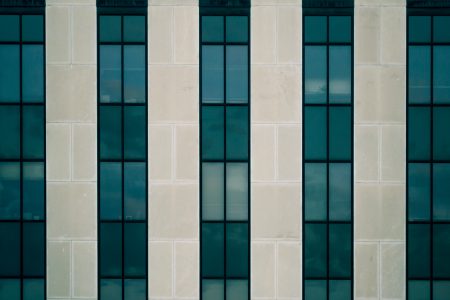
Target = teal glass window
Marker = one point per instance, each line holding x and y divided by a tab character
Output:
441	248
237	289
33	289
33	132
110	73
237	29
110	249
212	29
110	132
441	76
315	290
135	191
237	191
315	132
315	192
419	29
135	250
419	74
315	74
418	289
315	250
33	190
441	192
213	191
33	249
9	73
237	132
33	28
10	192
340	290
135	289
212	73
10	289
236	250
440	28
213	249
110	190
237	74
340	133
111	289
10	256
441	138
340	74
419	137
212	289
340	191
33	73
315	29
134	80
134	28
9	25
134	139
419	250
419	191
110	28
340	29
213	132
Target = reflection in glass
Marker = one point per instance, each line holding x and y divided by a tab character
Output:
212	132
315	191
315	132
212	249
33	73
212	191
134	74
9	73
237	289
441	75
419	74
33	131
9	191
419	192
33	190
212	74
237	132
135	191
135	257
9	131
340	194
110	191
110	73
315	250
135	289
418	250
237	249
237	74
315	74
212	289
340	74
237	191
315	290
441	192
111	289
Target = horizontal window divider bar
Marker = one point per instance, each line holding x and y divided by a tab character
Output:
225	161
123	161
123	221
327	44
321	161
20	43
122	104
328	278
328	222
225	277
428	161
429	278
429	105
328	104
122	44
22	103
443	222
224	222
225	44
23	221
22	277
18	160
122	277
429	44
225	104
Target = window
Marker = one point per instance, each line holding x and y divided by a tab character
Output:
122	151
22	156
328	155
428	155
225	162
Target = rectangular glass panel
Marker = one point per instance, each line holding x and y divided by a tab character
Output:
237	29
110	191
110	28
419	74
237	74
212	249
212	74
315	74
212	289
418	250
419	29
33	289
315	132
10	289
441	250
34	249
315	192
134	29
418	290
33	73
441	136
111	289
9	191
9	131
237	249
10	250
212	29
134	74
135	125
340	252
33	132
9	73
110	132
212	191
135	258
340	29
9	28
212	132
441	192
340	128
441	289
237	191
419	192
419	122
33	191
237	132
135	190
110	249
237	289
135	289
110	73
340	74
315	290
340	192
32	28
340	290
441	25
441	75
315	250
315	29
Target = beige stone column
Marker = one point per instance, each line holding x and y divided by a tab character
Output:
276	208
173	149
380	149
71	149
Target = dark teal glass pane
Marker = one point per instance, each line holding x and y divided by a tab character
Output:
10	289
441	25
441	192
237	74
237	289
212	249
33	73
135	191
441	75
212	29
315	29
315	290
237	249
315	192
340	193
135	258
110	28
419	29
134	28
9	28
135	289
315	132
10	250
418	290
111	289
237	132
135	125
33	191
340	253
419	122
441	136
419	74
418	250
9	191
32	28
441	250
33	289
212	74
34	249
340	133
212	132
315	250
212	191
237	191
419	192
315	74
441	289
110	132
340	74
340	29
212	289
340	290
110	249
33	131
110	191
9	73
9	131
134	74
110	73
237	29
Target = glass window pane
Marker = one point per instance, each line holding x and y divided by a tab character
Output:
135	289
134	28
340	74
33	191
237	191
237	74
135	258
441	75
315	250
33	131
110	191
33	249
441	290
315	290
419	122
237	289
135	125
237	132
340	133
110	249
33	289
440	27
237	29
340	193
111	289
110	73
315	29
110	28
340	29
110	132
441	192
212	132
212	29
418	290
212	74
315	74
212	191
441	250
9	73
441	136
419	192
315	192
10	254
419	74
32	28
9	131
237	249
135	191
212	289
340	290
315	132
9	191
340	253
9	28
418	250
33	73
10	289
134	74
419	29
212	249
